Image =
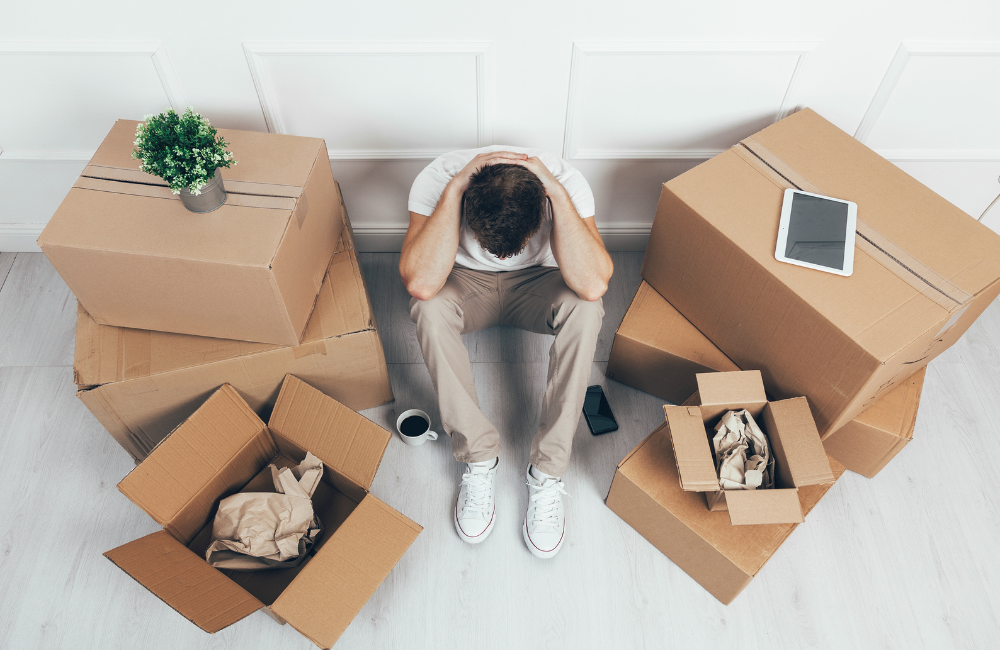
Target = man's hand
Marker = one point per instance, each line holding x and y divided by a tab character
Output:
460	182
553	188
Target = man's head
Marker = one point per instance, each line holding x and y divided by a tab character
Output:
503	207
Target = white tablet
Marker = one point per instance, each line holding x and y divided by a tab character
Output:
817	232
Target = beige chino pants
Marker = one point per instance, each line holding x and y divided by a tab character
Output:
534	299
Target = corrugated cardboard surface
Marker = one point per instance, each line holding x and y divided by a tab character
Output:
350	445
723	558
214	454
141	384
867	444
836	340
135	257
168	569
360	554
658	351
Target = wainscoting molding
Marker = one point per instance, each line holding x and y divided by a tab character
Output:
481	51
155	51
906	52
585	51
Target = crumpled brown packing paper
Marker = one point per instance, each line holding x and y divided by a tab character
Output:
742	454
266	530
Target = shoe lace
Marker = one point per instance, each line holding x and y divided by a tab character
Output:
546	500
477	492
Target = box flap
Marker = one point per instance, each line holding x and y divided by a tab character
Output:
184	581
800	458
185	462
693	452
764	506
326	596
723	391
346	442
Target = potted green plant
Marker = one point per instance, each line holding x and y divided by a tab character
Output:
187	152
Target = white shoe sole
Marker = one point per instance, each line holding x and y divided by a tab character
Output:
537	552
478	538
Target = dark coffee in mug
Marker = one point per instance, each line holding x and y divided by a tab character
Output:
414	426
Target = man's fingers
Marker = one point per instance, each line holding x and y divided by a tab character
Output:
504	155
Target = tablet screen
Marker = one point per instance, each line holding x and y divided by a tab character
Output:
817	231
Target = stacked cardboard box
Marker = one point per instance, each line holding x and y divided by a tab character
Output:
362	540
855	346
141	384
134	256
923	270
658	351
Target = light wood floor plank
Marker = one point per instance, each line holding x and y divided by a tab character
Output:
903	560
37	315
6	261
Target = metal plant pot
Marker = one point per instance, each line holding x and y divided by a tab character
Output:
212	196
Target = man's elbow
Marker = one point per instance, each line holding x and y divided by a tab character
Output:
593	292
419	290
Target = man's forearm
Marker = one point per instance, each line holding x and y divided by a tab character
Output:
585	264
429	255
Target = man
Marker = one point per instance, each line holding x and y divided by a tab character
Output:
506	236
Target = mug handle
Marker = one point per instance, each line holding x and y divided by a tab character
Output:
431	435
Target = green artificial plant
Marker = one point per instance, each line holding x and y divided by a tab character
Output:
183	150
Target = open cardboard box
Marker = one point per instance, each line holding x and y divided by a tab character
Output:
135	257
224	448
799	457
723	558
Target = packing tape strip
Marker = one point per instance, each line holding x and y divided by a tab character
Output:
232	186
163	192
876	245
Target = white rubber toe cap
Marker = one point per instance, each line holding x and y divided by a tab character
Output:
474	530
543	544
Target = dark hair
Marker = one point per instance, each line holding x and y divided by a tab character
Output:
503	207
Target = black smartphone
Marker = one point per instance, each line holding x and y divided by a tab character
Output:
596	409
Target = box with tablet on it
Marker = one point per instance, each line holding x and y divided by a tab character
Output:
817	232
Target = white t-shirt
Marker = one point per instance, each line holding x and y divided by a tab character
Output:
430	183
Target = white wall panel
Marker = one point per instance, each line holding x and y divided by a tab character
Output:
60	99
676	100
937	102
377	100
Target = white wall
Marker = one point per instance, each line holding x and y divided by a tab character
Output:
633	93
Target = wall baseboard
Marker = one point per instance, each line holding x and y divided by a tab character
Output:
377	238
20	237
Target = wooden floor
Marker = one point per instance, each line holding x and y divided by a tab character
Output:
907	560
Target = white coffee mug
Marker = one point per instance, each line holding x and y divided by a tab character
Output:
418	439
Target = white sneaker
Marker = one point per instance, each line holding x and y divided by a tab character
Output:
476	505
545	522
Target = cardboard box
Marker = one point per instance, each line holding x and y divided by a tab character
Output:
923	270
224	448
653	350
868	442
135	257
141	384
722	558
659	351
799	459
